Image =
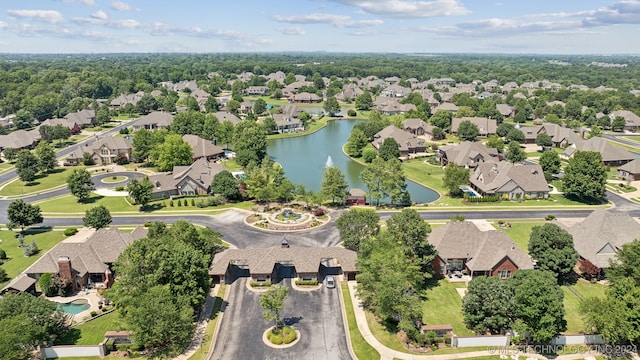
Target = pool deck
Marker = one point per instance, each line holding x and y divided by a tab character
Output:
91	296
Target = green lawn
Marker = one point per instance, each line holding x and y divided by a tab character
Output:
585	289
625	146
70	204
17	262
114	179
361	347
635	139
43	182
232	165
92	332
425	174
444	306
211	326
519	232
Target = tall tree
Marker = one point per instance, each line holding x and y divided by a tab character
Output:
97	218
26	166
334	186
488	305
408	228
515	135
356	142
544	140
553	249
618	123
140	191
626	263
142	144
468	131
441	119
22	214
364	101
389	149
454	176
80	184
250	143
173	152
550	163
357	225
537	304
272	302
260	106
46	157
331	106
225	184
10	154
514	153
585	175
495	142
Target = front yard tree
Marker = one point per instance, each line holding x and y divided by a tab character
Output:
140	191
585	175
250	143
272	301
23	214
61	132
550	162
389	149
364	101
537	304
80	184
46	157
409	229
357	225
626	264
495	142
225	184
26	166
173	152
618	123
515	154
552	247
357	141
441	119
10	154
544	140
454	176
484	316
334	186
142	144
331	106
515	135
97	218
468	131
259	106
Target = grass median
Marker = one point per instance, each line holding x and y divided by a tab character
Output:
360	346
209	333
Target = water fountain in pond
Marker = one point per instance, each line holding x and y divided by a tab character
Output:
329	162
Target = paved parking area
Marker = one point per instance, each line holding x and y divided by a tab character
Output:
316	314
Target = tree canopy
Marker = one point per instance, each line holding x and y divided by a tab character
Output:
334	185
140	191
23	214
97	217
552	247
225	184
454	176
357	225
468	131
27	166
80	184
272	301
389	149
585	175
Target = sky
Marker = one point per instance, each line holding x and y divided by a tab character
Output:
351	26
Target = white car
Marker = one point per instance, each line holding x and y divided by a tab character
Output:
331	282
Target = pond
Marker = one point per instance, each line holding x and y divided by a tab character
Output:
305	159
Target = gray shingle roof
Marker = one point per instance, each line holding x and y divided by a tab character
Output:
632	167
201	147
492	177
405	140
608	151
601	234
464	153
262	260
20	283
485	125
483	249
157	118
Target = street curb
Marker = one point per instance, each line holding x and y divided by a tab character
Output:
345	324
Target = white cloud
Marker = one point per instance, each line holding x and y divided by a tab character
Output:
331	19
3	25
292	31
100	15
409	9
50	16
119	5
85	2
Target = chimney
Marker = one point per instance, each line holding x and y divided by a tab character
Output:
64	268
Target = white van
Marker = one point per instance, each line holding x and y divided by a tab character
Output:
331	282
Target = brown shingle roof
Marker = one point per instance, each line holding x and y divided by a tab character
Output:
465	153
485	125
157	118
405	140
632	167
608	151
262	260
493	177
202	148
20	283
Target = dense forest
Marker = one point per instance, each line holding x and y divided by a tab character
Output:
53	85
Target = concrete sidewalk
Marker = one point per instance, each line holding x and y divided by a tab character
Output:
201	326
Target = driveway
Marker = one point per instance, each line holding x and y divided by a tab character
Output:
316	314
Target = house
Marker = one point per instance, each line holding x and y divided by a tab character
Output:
611	155
305	97
73	127
506	110
20	139
203	148
246	108
630	171
407	143
417	127
20	284
485	126
463	249
601	235
561	136
467	154
446	106
257	90
287	123
191	180
274	263
356	197
105	151
83	118
631	119
86	261
223	116
513	181
530	133
392	106
395	91
154	120
349	92
124	99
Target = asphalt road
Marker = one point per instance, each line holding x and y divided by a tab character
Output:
316	314
60	153
621	140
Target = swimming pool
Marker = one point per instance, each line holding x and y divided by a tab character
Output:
470	193
74	307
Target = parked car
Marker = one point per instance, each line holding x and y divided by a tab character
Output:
331	282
